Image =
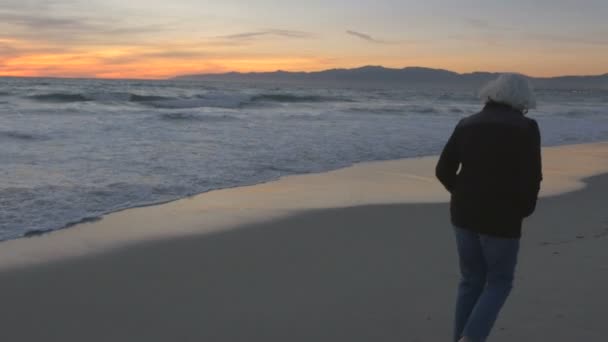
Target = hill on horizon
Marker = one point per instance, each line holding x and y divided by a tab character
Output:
407	75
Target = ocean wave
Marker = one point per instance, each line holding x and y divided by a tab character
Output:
306	116
38	232
293	98
54	207
401	109
59	97
99	97
197	117
149	98
423	109
185	103
234	100
15	135
212	99
377	110
157	101
580	113
117	154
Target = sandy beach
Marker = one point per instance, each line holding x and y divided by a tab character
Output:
277	171
364	253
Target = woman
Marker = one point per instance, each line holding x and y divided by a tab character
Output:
491	165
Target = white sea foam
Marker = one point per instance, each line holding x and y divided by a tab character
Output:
75	149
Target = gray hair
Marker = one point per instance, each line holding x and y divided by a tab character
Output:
510	89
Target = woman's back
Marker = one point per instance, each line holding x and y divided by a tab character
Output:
497	151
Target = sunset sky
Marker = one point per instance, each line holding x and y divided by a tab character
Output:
157	39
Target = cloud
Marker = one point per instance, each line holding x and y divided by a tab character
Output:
245	35
585	40
519	34
478	23
176	54
7	50
485	25
10	49
496	35
40	23
486	38
271	32
365	37
48	28
134	30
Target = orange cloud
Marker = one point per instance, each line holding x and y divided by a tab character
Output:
151	62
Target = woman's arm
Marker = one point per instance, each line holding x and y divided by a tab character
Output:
449	161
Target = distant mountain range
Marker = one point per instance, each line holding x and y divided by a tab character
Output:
409	75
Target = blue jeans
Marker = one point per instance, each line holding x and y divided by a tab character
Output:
487	267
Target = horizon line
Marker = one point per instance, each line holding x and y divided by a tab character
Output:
303	72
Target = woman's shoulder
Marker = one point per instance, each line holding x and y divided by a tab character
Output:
532	122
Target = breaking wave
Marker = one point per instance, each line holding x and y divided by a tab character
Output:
213	100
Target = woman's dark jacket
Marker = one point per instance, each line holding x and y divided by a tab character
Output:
498	153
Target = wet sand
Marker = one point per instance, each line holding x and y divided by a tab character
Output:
363	272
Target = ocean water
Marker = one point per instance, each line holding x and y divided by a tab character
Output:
72	150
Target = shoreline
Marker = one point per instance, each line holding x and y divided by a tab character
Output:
370	272
93	219
409	180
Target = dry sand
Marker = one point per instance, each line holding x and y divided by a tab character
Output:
301	272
